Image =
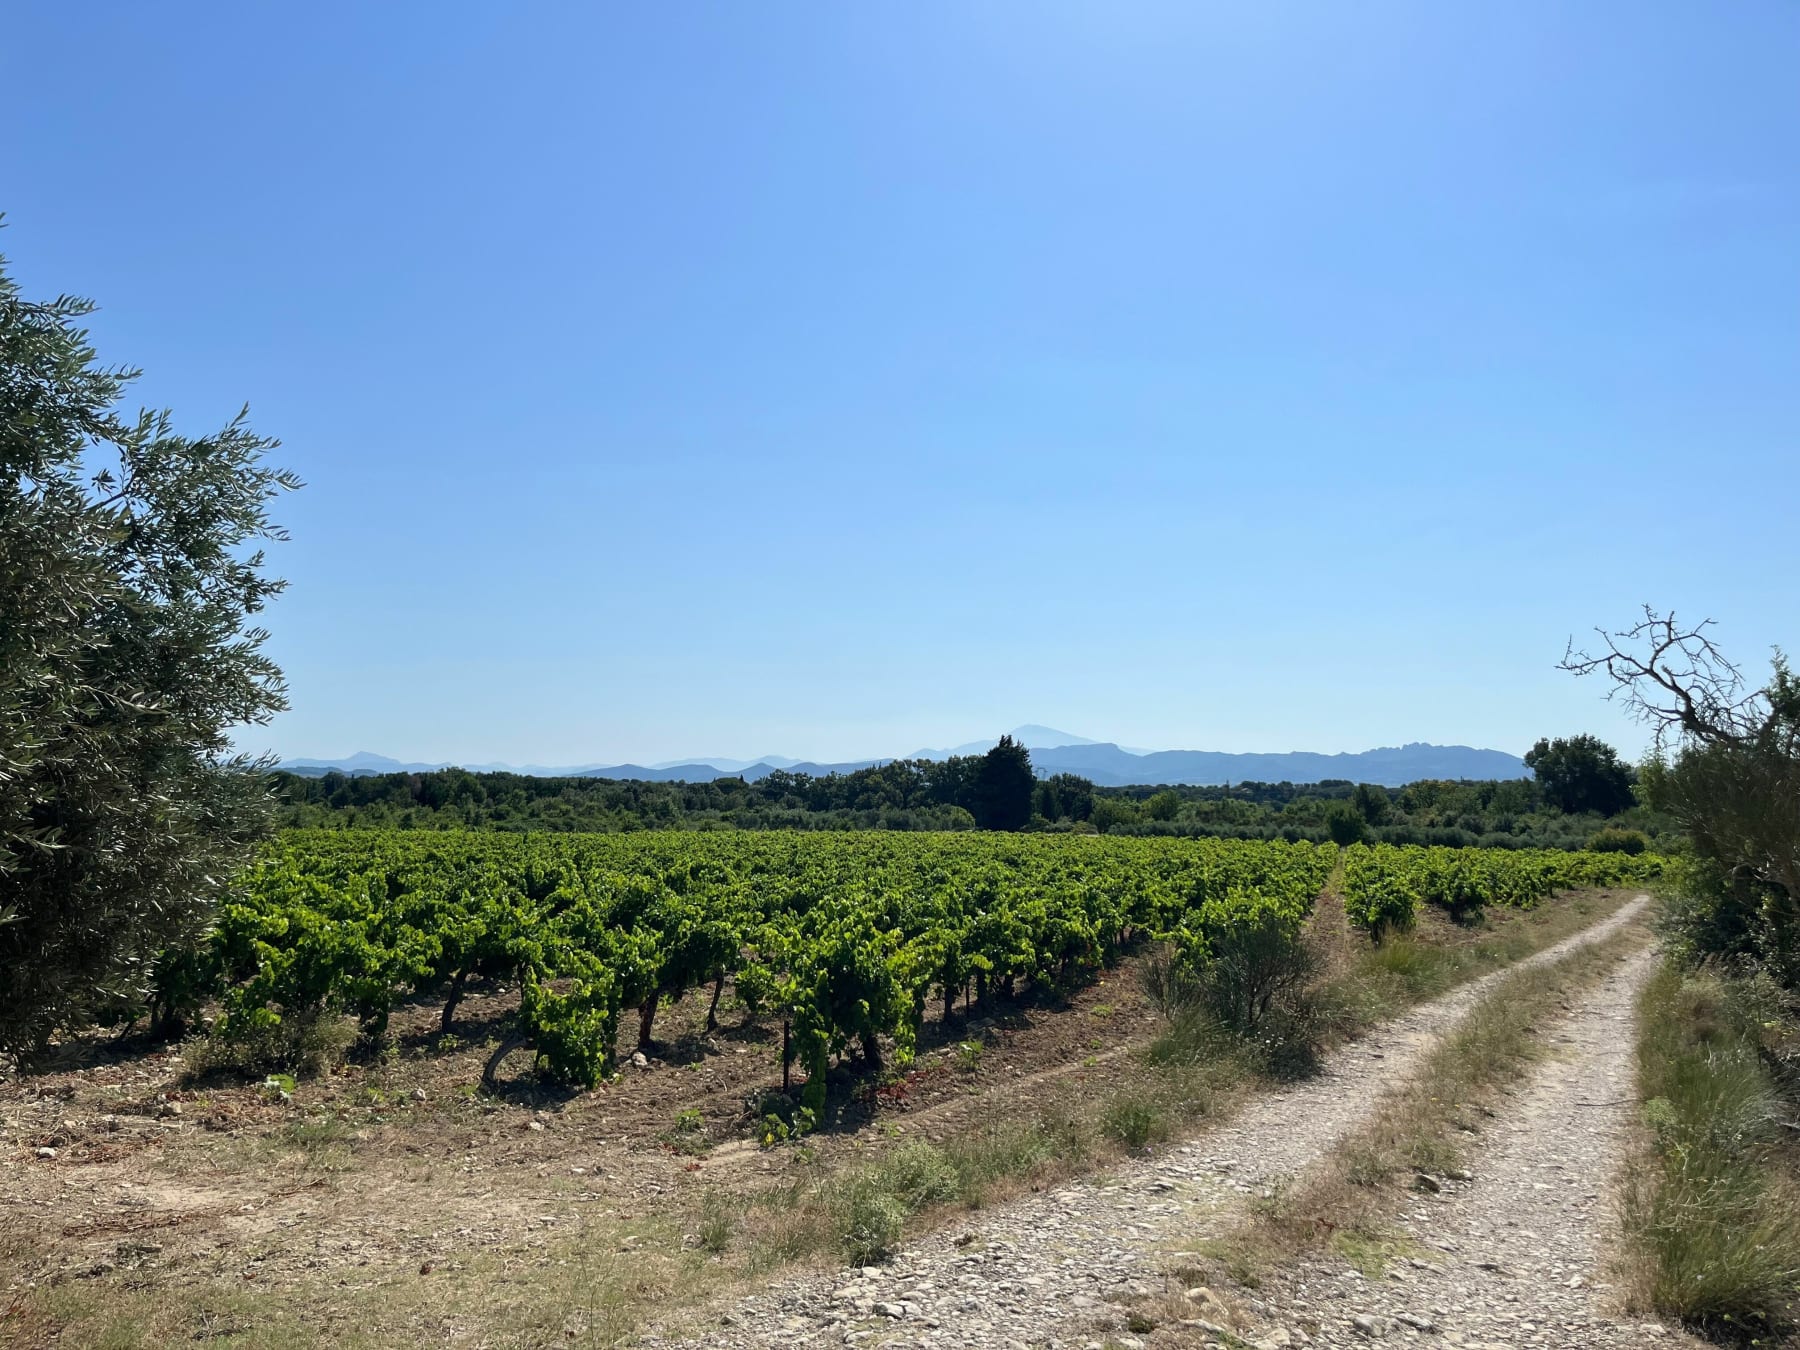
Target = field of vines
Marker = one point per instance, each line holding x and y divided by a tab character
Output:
843	938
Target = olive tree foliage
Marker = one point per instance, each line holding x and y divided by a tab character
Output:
1727	767
129	574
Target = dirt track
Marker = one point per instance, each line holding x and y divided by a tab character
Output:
1516	1255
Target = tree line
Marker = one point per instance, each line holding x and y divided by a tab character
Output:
1581	791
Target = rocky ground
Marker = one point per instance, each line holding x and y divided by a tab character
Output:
1517	1249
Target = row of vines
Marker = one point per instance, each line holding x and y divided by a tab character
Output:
1385	885
846	939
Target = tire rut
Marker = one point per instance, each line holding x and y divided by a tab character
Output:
1050	1269
1517	1256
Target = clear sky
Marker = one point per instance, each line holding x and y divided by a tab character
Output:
836	380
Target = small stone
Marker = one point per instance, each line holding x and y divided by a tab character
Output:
1424	1181
418	1094
46	1153
169	1109
537	1125
639	1060
1201	1324
1372	1327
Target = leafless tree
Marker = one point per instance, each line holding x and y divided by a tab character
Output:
1727	762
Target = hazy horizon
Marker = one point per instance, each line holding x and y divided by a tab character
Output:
963	746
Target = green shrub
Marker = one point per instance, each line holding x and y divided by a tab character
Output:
1243	949
918	1174
872	1222
1134	1121
1615	840
1345	824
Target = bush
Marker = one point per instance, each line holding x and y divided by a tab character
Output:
1110	813
1615	840
1164	805
873	1221
1345	824
302	1044
918	1174
1709	914
1244	949
1134	1121
1169	984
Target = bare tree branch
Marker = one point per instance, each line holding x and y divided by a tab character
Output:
1674	678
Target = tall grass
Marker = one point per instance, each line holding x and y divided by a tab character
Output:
1711	1211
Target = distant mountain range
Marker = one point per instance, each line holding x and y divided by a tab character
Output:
1052	751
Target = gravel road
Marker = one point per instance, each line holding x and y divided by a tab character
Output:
1515	1256
1053	1269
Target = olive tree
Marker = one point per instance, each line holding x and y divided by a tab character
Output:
130	572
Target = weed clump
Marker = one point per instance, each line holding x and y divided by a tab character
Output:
1135	1121
303	1045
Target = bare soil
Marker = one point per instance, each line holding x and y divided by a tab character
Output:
402	1159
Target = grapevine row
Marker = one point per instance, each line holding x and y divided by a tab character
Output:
846	939
1384	885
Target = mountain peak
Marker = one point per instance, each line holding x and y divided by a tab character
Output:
1047	738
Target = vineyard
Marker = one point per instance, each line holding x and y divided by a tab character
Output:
842	939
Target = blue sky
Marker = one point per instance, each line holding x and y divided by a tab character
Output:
837	380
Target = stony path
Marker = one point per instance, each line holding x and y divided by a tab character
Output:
1052	1270
1516	1256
